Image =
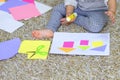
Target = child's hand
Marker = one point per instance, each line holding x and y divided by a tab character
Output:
65	22
111	15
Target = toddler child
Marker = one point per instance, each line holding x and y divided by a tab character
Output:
92	16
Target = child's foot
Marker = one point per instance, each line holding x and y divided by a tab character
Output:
40	34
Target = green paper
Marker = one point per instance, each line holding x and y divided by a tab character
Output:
84	47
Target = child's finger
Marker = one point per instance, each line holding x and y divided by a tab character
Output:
113	19
107	13
63	22
111	16
63	19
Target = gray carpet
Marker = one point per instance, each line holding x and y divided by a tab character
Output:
59	67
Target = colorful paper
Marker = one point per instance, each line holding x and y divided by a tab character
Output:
7	22
1	3
9	48
35	49
84	44
97	43
24	12
30	1
68	44
84	47
2	0
10	4
67	50
42	7
101	48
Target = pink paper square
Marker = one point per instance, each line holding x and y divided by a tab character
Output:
24	12
68	44
30	1
84	42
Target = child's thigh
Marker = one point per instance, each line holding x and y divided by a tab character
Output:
97	17
97	21
92	21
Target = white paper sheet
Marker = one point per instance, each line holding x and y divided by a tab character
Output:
81	44
7	22
1	3
42	7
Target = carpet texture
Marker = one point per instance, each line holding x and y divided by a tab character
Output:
62	67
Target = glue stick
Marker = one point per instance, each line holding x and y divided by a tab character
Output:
72	16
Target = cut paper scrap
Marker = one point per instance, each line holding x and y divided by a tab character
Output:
9	48
84	42
30	1
66	49
2	0
7	22
84	47
102	48
11	3
42	7
68	44
24	12
97	43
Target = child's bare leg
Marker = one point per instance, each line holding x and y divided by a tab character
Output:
53	24
40	34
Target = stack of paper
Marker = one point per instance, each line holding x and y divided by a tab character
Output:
10	4
19	10
35	49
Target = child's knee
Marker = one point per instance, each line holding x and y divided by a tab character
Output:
95	29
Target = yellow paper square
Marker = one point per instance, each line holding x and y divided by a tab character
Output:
2	0
31	45
97	43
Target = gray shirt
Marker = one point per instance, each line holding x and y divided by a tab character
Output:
87	5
